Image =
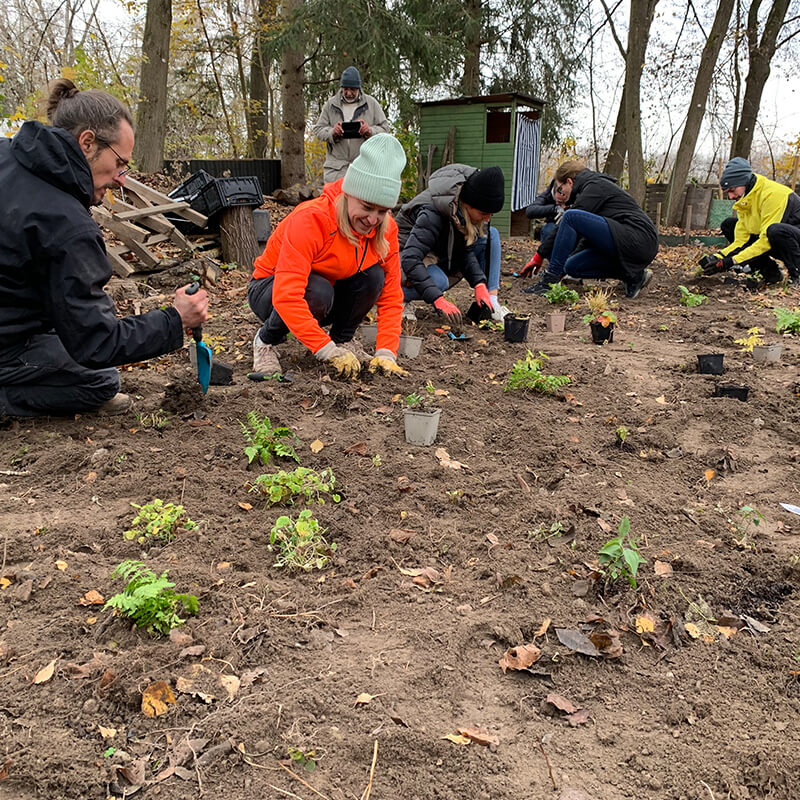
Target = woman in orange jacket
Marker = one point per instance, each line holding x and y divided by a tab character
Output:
328	262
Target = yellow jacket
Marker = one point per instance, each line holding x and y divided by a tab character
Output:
763	205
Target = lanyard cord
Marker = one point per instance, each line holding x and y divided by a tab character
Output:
363	255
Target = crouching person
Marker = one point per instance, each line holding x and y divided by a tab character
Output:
329	262
60	337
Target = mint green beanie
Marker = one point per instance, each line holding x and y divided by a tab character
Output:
374	176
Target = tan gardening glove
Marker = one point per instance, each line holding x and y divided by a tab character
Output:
385	361
343	361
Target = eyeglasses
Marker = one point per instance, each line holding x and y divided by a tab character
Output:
559	190
124	161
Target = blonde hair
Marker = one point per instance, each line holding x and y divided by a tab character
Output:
380	242
473	231
569	169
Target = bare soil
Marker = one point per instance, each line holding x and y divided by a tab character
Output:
704	705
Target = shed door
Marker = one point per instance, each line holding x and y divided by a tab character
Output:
526	162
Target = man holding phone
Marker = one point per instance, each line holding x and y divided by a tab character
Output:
347	120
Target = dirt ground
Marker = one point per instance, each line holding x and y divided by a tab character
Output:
693	691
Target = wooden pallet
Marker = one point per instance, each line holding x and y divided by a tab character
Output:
138	222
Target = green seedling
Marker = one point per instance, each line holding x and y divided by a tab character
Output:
558	294
265	441
598	301
746	524
148	600
307	760
787	321
158	520
543	533
157	420
18	457
750	341
527	374
303	484
690	299
622	434
619	557
300	544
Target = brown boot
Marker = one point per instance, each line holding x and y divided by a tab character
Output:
118	404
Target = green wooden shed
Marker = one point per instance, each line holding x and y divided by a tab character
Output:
501	130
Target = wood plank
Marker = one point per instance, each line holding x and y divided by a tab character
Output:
156	223
123	230
120	266
148	211
151	195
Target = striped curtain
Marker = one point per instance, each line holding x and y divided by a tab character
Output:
526	162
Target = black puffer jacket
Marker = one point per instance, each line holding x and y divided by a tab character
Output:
634	233
543	205
430	224
53	264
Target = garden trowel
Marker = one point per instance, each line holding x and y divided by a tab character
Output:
202	351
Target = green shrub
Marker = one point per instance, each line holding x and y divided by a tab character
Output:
788	321
264	441
300	544
527	374
158	520
619	557
304	484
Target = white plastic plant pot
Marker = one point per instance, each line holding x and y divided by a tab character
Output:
421	425
767	353
369	334
556	321
409	346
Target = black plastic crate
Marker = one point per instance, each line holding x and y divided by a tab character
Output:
227	193
191	187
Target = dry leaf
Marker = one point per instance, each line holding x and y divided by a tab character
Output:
709	473
604	525
245	506
492	538
45	673
561	703
4	582
401	535
726	631
62	565
542	628
91	598
645	624
692	630
663	569
364	699
446	461
520	657
479	736
575	640
457	739
661	400
107	733
316	446
580	717
357	449
155	699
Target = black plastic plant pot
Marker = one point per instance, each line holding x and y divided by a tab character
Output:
478	312
600	333
732	390
710	363
515	327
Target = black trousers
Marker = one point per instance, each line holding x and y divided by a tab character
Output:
40	378
342	305
784	243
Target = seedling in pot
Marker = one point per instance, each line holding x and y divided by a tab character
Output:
148	600
158	520
264	441
619	557
300	544
690	299
750	341
303	484
558	294
599	303
787	321
527	374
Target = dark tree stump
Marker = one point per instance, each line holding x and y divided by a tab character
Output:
237	233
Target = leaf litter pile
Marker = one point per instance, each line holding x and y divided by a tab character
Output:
455	630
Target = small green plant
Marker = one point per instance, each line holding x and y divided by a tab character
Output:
527	374
690	299
746	523
304	484
787	321
619	557
598	302
558	294
157	420
265	441
148	600
307	760
158	520
413	400
622	434
18	457
542	533
750	341
300	544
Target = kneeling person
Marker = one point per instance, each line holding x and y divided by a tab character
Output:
329	262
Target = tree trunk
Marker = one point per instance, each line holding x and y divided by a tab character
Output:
697	107
258	107
760	54
471	80
638	33
151	116
615	160
237	235
293	164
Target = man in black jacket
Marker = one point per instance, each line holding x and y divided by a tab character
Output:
60	337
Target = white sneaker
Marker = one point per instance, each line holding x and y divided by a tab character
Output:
409	312
265	357
118	404
499	313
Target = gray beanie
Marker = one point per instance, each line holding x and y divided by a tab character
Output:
737	172
374	176
351	78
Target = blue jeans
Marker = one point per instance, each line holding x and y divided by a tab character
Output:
444	281
598	259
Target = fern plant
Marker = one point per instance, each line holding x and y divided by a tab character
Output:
788	321
148	600
265	441
527	374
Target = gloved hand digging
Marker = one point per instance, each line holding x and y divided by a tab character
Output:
385	361
343	361
532	267
448	309
712	264
482	296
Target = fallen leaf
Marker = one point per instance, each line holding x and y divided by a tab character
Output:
4	769
577	641
364	699
542	628
663	569
492	538
4	582
91	598
456	738
401	535
645	624
245	506
358	449
607	642
62	565
709	474
692	630
316	446
561	703
404	484
520	657
155	699
580	717
479	736
726	631
661	400
604	525
107	733
45	673
205	684
446	461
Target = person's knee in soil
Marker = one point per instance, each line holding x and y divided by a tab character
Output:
329	261
785	242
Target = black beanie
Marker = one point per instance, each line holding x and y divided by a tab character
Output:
485	190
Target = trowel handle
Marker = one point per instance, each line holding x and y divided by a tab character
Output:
197	333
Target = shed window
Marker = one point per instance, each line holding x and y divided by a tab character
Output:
498	125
